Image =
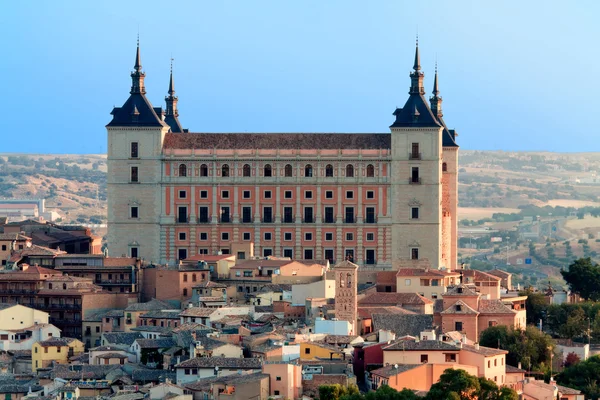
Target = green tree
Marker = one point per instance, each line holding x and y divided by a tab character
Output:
583	277
530	347
584	376
383	393
536	306
336	391
455	383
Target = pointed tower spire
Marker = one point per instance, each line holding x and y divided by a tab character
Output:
416	77
171	112
436	100
137	76
171	85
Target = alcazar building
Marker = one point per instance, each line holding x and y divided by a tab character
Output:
378	199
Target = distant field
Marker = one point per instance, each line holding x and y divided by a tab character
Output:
572	203
587	222
481	212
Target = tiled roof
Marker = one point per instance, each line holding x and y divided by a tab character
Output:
277	141
210	344
197	312
460	290
567	390
192	326
221	362
367	312
125	338
460	307
428	272
514	370
143	375
13	236
494	307
160	343
112	355
340	339
410	345
106	348
384	298
152	305
205	383
500	273
82	371
384	277
63	341
154	329
162	314
210	284
114	314
393	370
403	325
477	275
484	351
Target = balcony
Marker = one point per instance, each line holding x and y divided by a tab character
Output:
247	220
414	156
203	220
327	220
63	321
267	220
288	220
370	219
308	220
370	261
414	181
350	219
114	282
225	219
17	291
58	306
182	220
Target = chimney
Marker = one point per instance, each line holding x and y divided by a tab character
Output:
519	365
464	338
476	346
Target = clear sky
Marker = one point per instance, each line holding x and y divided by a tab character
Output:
514	75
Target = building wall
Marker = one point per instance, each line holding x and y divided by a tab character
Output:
412	284
498	319
59	354
422	377
311	351
41	333
414	357
320	289
285	379
469	322
183	377
492	367
19	317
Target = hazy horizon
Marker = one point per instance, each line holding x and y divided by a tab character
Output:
507	70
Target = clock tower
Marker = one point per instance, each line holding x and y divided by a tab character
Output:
346	291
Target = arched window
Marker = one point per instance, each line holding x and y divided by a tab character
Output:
370	171
193	277
203	276
288	170
182	170
185	277
203	170
349	276
341	280
444	167
246	170
64	286
268	170
49	286
349	171
308	171
329	170
185	291
225	170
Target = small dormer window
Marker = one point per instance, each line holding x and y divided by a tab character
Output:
459	290
458	307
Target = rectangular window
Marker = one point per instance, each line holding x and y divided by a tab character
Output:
287	194
267	194
370	237
414	178
134	150
182	236
267	252
349	194
277	378
458	326
246	194
370	257
370	194
134	252
424	358
246	235
329	219
204	194
134	212
349	236
308	236
308	215
329	194
329	255
287	236
224	235
246	214
450	357
225	215
414	254
414	154
268	236
182	216
414	212
268	214
328	236
407	282
182	194
288	215
203	236
182	253
308	194
370	215
203	214
349	215
225	194
308	254
288	253
134	175
307	350
241	255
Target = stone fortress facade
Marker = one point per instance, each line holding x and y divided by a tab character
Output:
377	199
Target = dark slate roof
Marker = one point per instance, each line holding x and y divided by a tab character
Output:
409	345
484	351
406	117
393	370
210	343
159	314
174	123
448	135
144	375
204	384
403	325
151	305
126	338
221	362
278	140
136	103
160	343
82	371
154	329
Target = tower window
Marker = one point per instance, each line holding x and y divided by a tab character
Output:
268	170
444	167
134	212
414	212
267	194
203	170
329	170
133	252
308	194
414	178
349	171
308	171
288	170
246	235
246	170
225	170
414	254
370	171
414	153
134	150
134	174
182	170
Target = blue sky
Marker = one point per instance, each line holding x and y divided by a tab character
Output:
514	75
